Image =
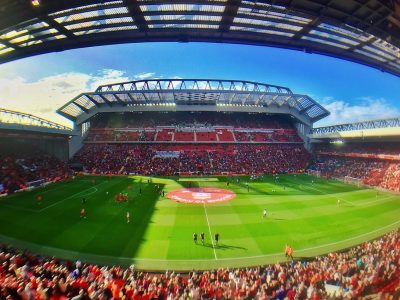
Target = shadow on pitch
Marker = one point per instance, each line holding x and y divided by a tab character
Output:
277	219
221	246
141	207
228	247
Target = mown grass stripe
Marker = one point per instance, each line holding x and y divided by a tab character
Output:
160	235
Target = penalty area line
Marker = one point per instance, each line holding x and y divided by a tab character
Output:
383	199
74	195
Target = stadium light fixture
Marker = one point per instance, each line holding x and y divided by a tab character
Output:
337	142
35	3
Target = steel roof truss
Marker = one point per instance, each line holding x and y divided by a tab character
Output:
136	14
104	99
118	99
91	99
260	98
81	107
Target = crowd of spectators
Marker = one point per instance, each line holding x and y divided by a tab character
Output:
191	134
190	119
207	143
374	164
193	158
260	159
371	268
386	148
192	127
336	166
391	178
19	166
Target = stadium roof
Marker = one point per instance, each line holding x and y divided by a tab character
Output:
364	31
168	93
359	130
14	120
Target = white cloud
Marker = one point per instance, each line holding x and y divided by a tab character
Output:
107	76
367	108
44	96
143	76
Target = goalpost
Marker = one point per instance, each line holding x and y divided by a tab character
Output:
352	180
347	179
314	173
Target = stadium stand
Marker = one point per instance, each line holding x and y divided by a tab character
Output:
225	134
183	136
375	164
192	134
192	158
363	31
206	136
203	143
207	143
190	119
189	127
33	151
23	167
371	148
368	269
165	134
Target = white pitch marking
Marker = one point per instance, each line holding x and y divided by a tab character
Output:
209	229
72	196
220	259
351	203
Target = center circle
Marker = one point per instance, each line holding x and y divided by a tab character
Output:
201	195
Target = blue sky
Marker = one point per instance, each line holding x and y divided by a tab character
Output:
352	92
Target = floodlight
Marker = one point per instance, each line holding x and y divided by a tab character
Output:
337	142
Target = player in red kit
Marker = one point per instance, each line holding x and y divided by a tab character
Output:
116	198
39	199
83	213
126	198
121	197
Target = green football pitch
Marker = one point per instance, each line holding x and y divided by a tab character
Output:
302	211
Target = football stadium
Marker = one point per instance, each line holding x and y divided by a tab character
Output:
200	188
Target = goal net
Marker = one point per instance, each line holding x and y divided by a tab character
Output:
352	180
